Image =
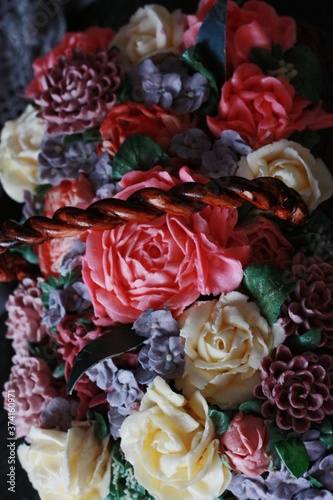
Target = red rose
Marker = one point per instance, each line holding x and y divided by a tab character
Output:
168	262
69	193
245	442
263	109
88	40
130	118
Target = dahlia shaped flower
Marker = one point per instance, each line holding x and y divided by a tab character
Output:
298	390
79	91
310	305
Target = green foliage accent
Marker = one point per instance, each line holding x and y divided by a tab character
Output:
308	341
252	407
266	60
269	286
123	483
306	138
42	190
27	252
91	135
294	454
44	351
102	428
138	152
326	434
59	370
221	420
52	283
309	79
314	482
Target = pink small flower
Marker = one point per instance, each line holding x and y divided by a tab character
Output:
245	442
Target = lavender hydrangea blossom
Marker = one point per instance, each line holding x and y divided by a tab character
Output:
76	297
125	390
103	374
74	258
59	413
101	177
57	310
190	145
194	92
58	162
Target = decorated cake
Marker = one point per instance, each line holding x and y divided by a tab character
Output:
173	302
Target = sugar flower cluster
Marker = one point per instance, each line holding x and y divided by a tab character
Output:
189	356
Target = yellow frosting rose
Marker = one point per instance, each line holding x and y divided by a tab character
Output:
151	30
172	445
294	165
68	465
19	148
225	340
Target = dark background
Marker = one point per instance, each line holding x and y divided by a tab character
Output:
76	15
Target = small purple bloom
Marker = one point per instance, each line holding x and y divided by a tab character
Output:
31	205
74	258
102	172
103	374
163	356
322	470
59	413
125	389
194	92
153	323
190	145
234	141
77	297
117	415
56	308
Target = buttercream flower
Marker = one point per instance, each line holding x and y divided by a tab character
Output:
245	444
263	109
79	91
139	266
294	165
25	314
69	465
172	446
194	22
30	381
267	243
89	40
19	149
297	390
131	118
225	341
151	30
68	193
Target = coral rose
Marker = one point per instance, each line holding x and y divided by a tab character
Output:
225	341
68	193
166	263
294	165
245	442
151	30
172	445
130	118
69	465
89	40
263	109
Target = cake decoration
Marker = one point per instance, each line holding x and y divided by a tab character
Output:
172	320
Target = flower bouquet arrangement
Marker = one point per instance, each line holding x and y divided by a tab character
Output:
172	321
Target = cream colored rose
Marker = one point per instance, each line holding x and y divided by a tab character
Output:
151	30
19	149
225	340
294	165
68	465
172	445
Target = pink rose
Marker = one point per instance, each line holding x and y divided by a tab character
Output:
263	109
68	193
267	243
256	24
88	40
194	22
166	263
245	442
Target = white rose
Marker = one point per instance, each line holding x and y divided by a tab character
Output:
68	465
152	30
225	341
294	165
172	446
19	149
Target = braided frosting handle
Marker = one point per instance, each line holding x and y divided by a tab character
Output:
147	204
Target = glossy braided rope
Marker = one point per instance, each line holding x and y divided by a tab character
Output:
149	203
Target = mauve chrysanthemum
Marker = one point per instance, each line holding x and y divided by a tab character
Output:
25	314
79	91
297	390
310	305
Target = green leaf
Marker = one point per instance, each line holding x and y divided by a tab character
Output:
314	482
307	138
269	286
253	407
116	341
59	370
221	420
309	79
264	59
138	152
91	135
308	341
326	434
42	190
102	428
27	252
294	454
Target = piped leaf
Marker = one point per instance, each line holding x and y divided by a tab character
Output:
308	341
294	454
116	341
253	407
138	152
221	420
269	286
309	79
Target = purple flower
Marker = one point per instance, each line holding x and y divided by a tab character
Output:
74	258
103	374
153	323
76	297
31	205
322	470
59	413
125	389
58	162
102	172
117	415
193	94
56	308
190	145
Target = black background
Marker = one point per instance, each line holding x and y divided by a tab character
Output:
112	13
